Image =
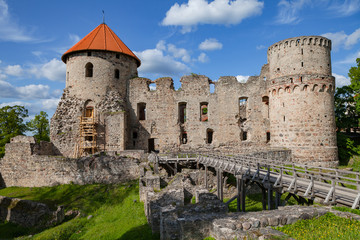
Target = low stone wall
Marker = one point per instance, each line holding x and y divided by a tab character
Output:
30	164
38	170
28	213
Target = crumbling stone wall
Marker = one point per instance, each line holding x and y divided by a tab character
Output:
29	213
162	121
22	166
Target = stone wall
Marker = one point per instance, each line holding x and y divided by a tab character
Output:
28	213
22	166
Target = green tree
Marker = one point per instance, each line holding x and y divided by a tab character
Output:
11	124
345	110
354	75
40	127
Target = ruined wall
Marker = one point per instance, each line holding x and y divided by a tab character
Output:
301	98
23	166
224	117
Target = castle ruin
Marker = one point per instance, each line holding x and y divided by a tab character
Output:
107	107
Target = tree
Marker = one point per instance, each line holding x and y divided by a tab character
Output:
40	127
345	109
11	124
354	75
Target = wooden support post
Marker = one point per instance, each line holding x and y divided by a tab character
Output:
263	191
277	199
219	184
270	197
243	194
238	186
176	168
206	179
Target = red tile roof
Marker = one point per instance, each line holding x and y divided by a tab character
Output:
101	38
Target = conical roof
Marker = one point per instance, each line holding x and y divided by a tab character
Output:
101	38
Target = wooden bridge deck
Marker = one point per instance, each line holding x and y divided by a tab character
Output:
302	181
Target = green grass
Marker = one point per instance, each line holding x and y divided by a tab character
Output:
346	209
328	226
115	213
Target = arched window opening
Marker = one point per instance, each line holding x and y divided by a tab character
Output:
209	136
89	70
117	73
141	111
182	112
204	112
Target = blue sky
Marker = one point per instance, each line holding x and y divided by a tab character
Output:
171	37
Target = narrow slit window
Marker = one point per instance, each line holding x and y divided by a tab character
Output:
267	137
242	107
141	111
209	136
204	112
182	112
184	138
244	136
89	70
89	54
117	56
117	73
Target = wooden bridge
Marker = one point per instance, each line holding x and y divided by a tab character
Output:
302	182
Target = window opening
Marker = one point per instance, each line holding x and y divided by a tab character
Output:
89	70
89	112
204	112
244	136
182	112
302	51
117	55
141	111
242	107
183	139
265	100
284	118
267	137
209	136
117	73
302	64
89	54
134	135
291	80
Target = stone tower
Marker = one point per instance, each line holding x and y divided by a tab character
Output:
301	99
91	115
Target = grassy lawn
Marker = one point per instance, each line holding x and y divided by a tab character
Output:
328	226
116	210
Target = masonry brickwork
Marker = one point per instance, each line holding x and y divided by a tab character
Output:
289	105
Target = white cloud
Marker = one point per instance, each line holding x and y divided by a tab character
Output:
57	93
14	70
179	53
242	78
32	91
162	60
345	8
195	12
289	11
203	58
50	104
210	44
351	59
260	47
152	86
341	80
341	39
9	29
74	38
54	70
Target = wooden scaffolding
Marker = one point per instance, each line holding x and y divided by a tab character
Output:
87	141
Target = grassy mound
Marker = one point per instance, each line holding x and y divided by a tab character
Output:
116	212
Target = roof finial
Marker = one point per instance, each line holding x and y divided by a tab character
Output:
103	16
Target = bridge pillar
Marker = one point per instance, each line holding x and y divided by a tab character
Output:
277	199
240	185
270	197
206	178
219	183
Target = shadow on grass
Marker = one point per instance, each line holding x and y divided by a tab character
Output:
142	232
10	231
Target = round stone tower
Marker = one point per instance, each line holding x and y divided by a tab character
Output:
301	99
92	112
